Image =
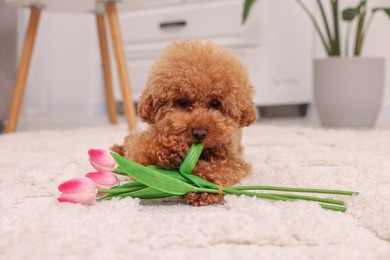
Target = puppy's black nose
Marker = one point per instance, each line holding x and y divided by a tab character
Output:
199	134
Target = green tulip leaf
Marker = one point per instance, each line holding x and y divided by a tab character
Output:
152	178
189	178
189	164
155	182
191	159
172	173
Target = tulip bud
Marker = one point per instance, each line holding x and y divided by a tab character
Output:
102	160
103	180
78	190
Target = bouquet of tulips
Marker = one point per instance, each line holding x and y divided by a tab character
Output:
154	182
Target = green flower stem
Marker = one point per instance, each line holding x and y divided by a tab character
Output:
300	197
118	190
130	184
338	192
229	190
206	190
142	193
116	195
332	207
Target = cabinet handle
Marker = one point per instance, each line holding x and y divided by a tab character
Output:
173	24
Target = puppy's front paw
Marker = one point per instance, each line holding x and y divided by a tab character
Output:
202	199
119	149
170	158
170	162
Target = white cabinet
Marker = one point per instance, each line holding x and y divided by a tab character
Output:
275	43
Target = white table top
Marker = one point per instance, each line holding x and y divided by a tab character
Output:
75	5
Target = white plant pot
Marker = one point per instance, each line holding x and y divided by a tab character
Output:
348	92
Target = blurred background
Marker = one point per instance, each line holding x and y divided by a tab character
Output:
277	43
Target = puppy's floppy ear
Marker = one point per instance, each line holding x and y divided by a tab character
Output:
246	109
145	108
248	115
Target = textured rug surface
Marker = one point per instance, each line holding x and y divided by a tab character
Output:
33	225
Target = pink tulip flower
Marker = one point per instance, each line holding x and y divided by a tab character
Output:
78	190
102	160
103	180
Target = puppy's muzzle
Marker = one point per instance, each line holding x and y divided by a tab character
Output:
199	134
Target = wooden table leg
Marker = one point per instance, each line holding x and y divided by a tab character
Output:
121	65
20	83
111	109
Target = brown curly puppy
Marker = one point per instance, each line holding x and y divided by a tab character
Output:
196	92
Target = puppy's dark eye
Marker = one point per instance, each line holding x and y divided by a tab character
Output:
183	103
215	103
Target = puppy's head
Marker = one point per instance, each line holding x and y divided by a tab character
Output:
198	91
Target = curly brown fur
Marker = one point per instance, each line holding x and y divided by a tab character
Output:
216	87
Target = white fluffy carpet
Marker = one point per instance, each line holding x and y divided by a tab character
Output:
35	226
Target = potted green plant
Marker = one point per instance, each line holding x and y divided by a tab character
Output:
348	88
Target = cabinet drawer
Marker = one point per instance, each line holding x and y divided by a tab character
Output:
207	19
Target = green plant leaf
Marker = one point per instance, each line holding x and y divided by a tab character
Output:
191	159
153	179
349	14
361	12
336	39
326	23
386	10
246	10
328	46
